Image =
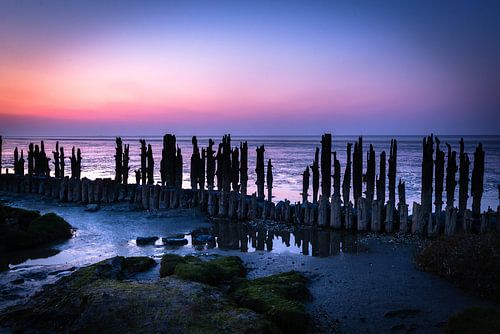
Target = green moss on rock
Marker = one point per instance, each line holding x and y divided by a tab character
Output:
279	297
474	320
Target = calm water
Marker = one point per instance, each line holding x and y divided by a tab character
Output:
290	155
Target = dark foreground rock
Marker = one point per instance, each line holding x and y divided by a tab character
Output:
108	297
23	229
142	241
470	261
474	320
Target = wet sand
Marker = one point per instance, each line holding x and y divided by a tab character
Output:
371	286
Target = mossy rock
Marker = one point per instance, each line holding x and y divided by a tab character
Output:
474	320
22	229
214	272
279	297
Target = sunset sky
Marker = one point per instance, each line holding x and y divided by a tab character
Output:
144	67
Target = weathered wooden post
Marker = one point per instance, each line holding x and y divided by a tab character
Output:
137	176
315	176
402	208
450	222
151	165
74	172
439	171
269	181
125	167
235	169
178	172
57	166
427	176
326	165
201	169
477	181
451	170
336	175
21	164
357	170
168	163
63	164
392	170
381	180
45	169
118	160
244	167
346	183
362	213
417	223
195	164
335	212
16	161
226	163
376	224
259	170
463	181
78	163
31	160
144	159
305	184
210	165
370	175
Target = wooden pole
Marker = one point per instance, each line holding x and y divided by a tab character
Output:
226	163
151	164
57	166
244	167
336	175
259	170
269	181
357	170
219	172
118	160
463	181
326	165
210	165
346	184
315	176
178	171
381	180
201	169
427	175
195	164
477	183
31	160
126	161
61	159
16	161
392	170
305	184
370	175
439	171
144	159
451	170
235	169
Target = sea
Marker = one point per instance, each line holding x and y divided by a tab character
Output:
289	155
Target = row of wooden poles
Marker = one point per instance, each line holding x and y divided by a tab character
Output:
227	170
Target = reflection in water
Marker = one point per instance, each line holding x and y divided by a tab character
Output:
307	241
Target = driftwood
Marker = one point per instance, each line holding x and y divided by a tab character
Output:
346	183
477	181
439	177
451	171
326	165
357	170
392	170
315	176
259	170
463	181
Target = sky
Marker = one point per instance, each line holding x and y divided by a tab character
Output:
144	67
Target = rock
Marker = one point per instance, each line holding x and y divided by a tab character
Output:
203	239
92	207
174	241
141	241
17	281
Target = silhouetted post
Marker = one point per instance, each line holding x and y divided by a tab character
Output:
402	208
381	180
164	161
244	167
178	169
370	175
439	171
201	170
57	166
21	164
144	159
78	163
326	165
392	170
226	163
269	181
31	159
73	163
477	181
44	161
36	156
1	143
235	169
210	165
259	170
336	175
137	176
427	175
219	171
305	184
118	160
315	176
451	170
346	183
151	165
16	161
126	160
63	164
168	163
463	181
357	170
195	164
